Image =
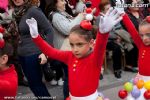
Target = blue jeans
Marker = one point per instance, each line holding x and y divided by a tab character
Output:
33	72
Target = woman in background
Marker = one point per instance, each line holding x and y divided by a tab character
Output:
29	54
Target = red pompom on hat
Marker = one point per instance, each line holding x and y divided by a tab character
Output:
2	42
85	24
88	10
148	19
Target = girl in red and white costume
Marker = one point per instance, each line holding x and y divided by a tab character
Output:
142	41
83	62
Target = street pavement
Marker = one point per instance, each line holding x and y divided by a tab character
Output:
109	86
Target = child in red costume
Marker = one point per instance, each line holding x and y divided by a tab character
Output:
83	62
8	75
142	41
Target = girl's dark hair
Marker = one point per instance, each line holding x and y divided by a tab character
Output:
51	7
86	33
7	50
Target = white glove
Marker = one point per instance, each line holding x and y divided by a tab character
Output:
32	23
120	6
108	21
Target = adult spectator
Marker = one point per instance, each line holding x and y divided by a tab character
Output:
28	52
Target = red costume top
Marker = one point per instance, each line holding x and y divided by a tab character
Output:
144	51
8	83
84	72
95	4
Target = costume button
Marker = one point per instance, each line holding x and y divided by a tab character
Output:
74	69
144	51
74	65
142	56
76	61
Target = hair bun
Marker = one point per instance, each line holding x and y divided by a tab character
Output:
148	19
85	24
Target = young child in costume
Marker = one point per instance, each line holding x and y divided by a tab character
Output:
8	75
142	40
139	88
83	62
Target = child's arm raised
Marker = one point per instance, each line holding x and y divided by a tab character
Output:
128	24
107	22
44	46
132	30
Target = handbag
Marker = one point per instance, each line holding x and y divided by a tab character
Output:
46	68
48	72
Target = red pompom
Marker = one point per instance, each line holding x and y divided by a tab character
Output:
85	24
2	30
122	94
147	94
88	10
148	19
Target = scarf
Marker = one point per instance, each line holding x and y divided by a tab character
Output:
21	10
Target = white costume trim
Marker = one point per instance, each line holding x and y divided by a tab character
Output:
93	96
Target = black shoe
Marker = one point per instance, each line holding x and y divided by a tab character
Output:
134	70
117	74
101	77
23	83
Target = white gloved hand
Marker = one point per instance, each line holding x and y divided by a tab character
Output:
32	23
120	6
109	20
